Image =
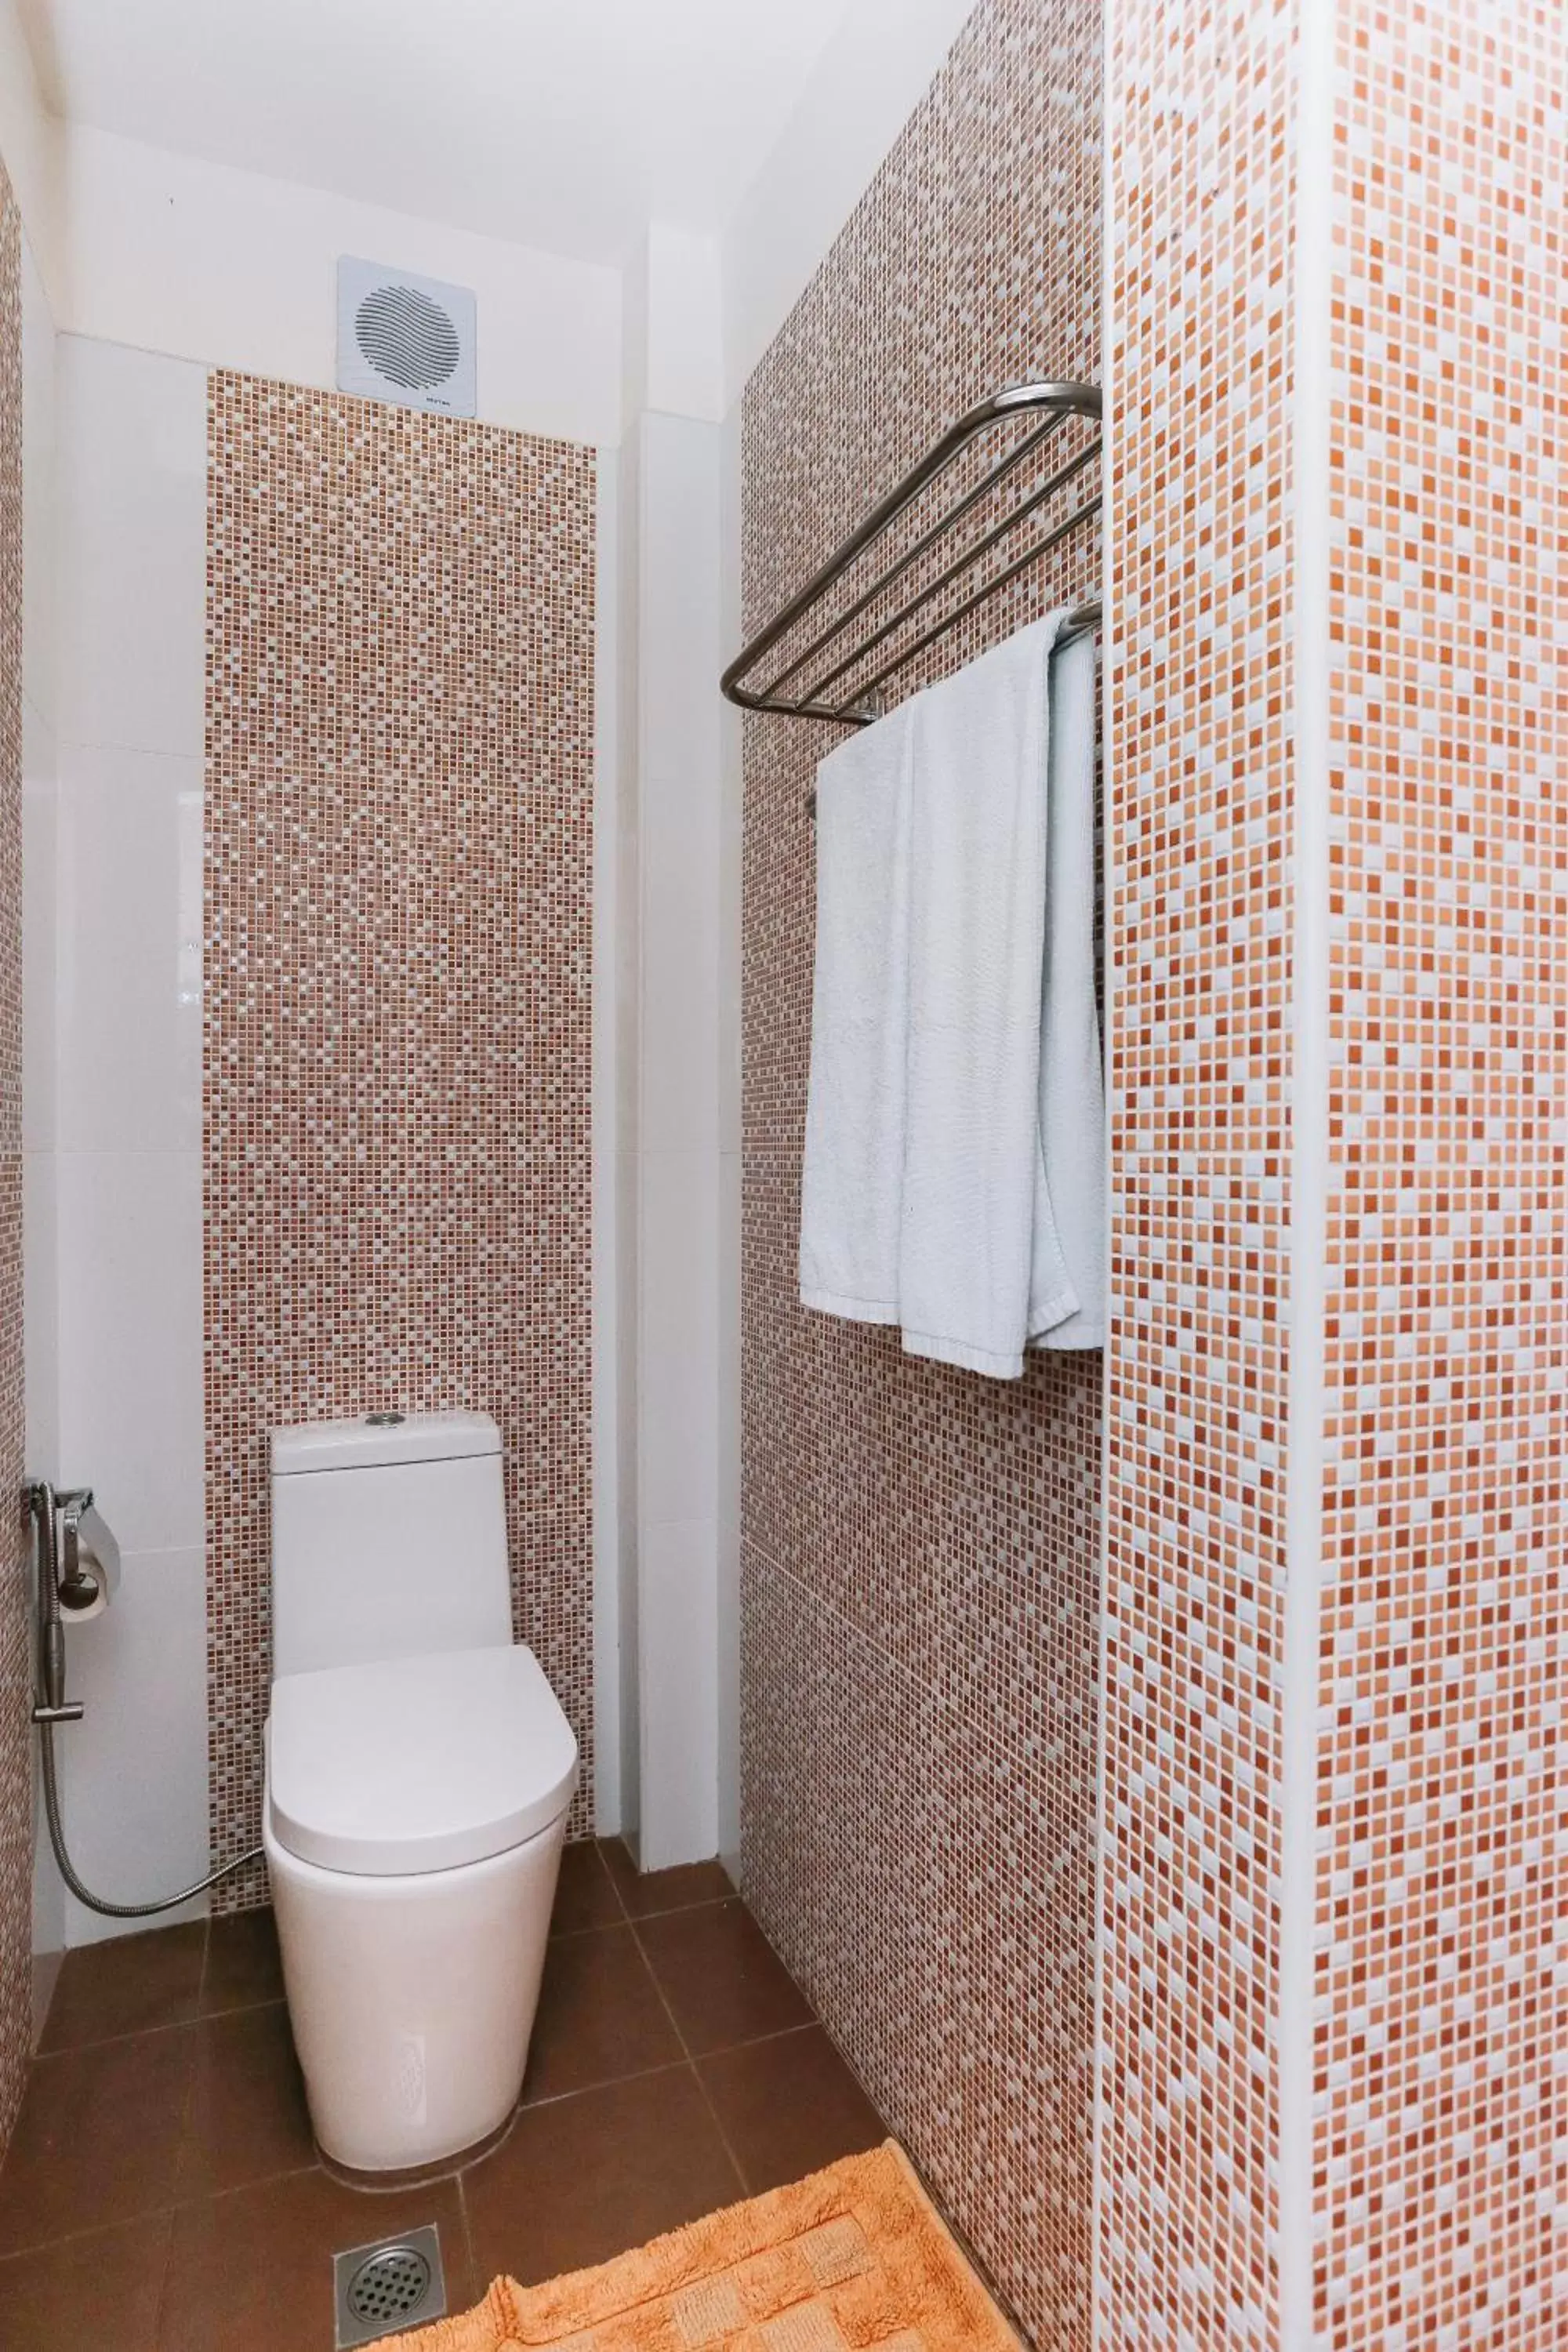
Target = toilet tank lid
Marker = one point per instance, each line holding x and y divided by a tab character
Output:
374	1441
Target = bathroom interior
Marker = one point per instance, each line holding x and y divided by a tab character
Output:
783	1047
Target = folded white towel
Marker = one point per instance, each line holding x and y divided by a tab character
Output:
981	1267
1072	1075
853	1174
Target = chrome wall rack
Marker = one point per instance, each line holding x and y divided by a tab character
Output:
819	680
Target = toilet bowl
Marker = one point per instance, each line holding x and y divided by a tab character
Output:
419	1771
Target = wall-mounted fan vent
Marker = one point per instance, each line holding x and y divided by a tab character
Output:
406	338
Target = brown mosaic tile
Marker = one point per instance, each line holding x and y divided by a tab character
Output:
400	720
920	1581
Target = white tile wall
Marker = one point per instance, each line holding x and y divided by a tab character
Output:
679	1236
731	815
130	581
131	951
679	1642
132	547
40	1303
40	766
131	1341
134	1778
613	1044
680	1311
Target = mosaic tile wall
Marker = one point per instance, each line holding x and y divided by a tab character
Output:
1198	692
15	1648
919	1567
399	791
1442	2161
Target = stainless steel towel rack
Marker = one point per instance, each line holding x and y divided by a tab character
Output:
840	691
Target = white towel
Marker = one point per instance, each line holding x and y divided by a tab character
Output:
1072	1073
979	1268
853	1175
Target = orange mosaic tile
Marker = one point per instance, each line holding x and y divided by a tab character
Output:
919	1587
1200	785
399	807
15	1635
1441	2163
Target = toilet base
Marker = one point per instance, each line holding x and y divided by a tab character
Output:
413	1998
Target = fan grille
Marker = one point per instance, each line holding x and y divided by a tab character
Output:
407	337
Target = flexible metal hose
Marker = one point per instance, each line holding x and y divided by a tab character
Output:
40	1499
84	1893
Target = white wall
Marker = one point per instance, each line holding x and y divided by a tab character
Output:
865	86
131	444
607	1278
33	146
674	1284
40	768
187	259
679	1243
727	1366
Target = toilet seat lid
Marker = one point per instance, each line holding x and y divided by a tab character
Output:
411	1765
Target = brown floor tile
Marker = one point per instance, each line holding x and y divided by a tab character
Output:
721	1975
644	1893
589	2177
126	1985
243	1963
247	2116
252	2270
98	2140
789	2105
585	1893
600	2016
101	2289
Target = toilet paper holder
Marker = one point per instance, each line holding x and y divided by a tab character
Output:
79	1571
89	1556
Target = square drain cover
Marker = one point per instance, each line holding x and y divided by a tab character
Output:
394	2284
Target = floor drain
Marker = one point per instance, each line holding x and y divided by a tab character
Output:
393	2285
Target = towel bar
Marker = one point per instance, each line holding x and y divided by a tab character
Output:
858	705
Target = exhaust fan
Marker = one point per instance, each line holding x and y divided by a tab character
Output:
406	338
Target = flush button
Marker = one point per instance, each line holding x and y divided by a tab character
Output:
384	1419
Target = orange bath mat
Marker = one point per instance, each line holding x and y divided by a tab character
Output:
853	2257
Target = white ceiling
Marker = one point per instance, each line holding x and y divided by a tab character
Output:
566	125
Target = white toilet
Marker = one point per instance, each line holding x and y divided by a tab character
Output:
419	1771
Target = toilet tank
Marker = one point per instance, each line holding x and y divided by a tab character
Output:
388	1540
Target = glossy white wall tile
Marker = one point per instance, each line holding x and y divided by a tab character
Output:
132	547
131	1341
680	1313
39	516
40	748
131	951
40	1312
728	1400
130	443
678	1639
612	1045
134	1777
40	761
677	750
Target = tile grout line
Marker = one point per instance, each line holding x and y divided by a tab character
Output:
584	2091
170	2025
703	2091
479	2288
166	2280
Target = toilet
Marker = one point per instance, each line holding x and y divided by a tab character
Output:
419	1775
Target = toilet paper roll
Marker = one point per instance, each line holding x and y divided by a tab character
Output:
98	1562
